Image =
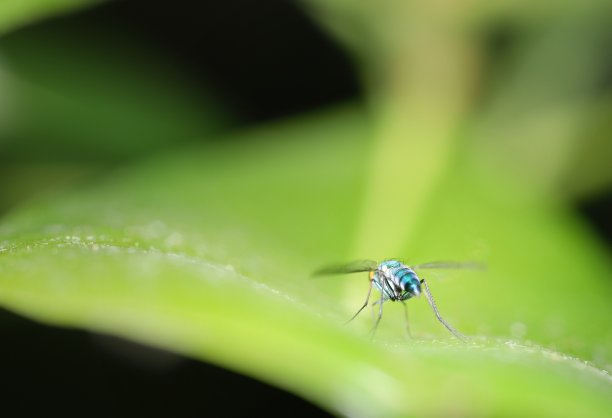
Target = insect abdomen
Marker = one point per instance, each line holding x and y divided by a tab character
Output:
405	277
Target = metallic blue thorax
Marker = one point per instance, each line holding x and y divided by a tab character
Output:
396	281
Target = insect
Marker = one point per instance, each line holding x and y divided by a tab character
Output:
397	282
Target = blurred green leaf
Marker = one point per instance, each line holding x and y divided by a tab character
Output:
372	30
78	97
534	117
92	93
208	253
541	105
589	172
16	13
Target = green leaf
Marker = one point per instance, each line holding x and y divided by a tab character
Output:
78	97
536	91
208	253
96	94
16	13
538	119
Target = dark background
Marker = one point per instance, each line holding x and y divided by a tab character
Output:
226	45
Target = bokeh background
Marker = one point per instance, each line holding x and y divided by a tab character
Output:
153	78
274	137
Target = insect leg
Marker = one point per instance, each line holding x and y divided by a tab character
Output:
366	301
373	310
380	309
435	309
373	306
406	317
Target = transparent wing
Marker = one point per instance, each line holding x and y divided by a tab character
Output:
467	265
352	267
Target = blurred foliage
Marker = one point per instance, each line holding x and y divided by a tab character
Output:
190	266
63	86
16	13
207	250
73	107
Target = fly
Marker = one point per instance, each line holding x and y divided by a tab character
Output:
397	282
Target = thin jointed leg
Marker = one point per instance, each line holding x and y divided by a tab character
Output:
406	317
435	309
364	304
380	308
